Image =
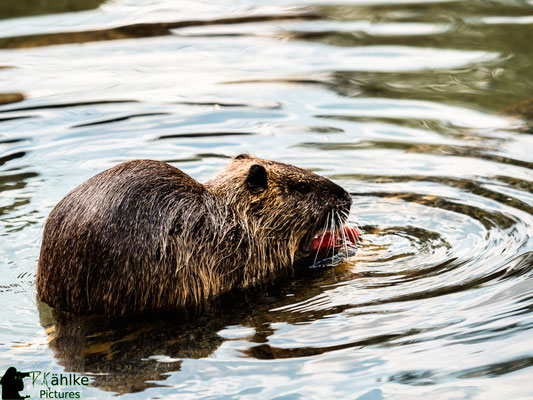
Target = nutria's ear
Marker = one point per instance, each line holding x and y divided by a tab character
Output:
242	156
257	178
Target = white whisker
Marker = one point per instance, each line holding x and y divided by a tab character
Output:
321	240
332	234
344	241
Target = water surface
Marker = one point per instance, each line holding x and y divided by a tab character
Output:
421	109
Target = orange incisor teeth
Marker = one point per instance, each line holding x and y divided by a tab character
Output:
335	239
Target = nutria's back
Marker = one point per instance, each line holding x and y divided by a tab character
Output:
144	235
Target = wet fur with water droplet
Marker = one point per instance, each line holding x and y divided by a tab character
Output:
145	236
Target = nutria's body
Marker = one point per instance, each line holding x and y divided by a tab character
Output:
144	235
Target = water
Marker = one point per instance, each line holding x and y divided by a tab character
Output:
410	105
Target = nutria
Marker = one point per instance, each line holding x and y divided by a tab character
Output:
144	236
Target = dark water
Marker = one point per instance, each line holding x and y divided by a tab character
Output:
419	109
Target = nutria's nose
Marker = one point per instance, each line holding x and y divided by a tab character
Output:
341	194
348	197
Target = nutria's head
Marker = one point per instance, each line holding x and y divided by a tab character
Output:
282	202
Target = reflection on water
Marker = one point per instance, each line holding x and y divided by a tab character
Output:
132	354
421	109
13	9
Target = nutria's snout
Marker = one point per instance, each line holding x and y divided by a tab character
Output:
347	197
342	198
332	218
344	201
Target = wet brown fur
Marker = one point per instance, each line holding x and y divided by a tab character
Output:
145	236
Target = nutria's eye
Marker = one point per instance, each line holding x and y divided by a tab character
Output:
257	178
302	187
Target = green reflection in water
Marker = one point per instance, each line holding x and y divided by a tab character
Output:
20	8
468	25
